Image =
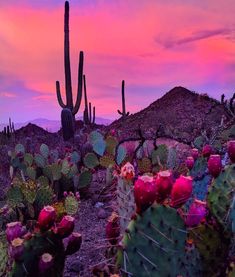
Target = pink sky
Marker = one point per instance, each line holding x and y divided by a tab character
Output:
152	45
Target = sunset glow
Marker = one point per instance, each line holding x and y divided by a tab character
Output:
152	45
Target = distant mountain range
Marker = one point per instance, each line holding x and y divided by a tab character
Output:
52	125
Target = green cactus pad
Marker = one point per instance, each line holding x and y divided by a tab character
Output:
19	148
44	150
65	167
73	171
14	196
28	159
199	168
111	144
199	142
160	154
56	171
213	248
44	197
31	173
3	255
85	179
107	160
99	147
43	181
75	157
47	171
90	160
220	196
154	245
40	160
29	191
125	202
121	154
144	165
71	205
94	136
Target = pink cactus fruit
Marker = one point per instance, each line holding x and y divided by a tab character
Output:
181	191
65	193
46	218
207	150
127	171
145	192
113	228
13	231
195	153
16	248
66	226
231	150
78	195
196	213
164	182
214	165
45	262
189	162
74	243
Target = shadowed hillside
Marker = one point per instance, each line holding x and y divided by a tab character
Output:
180	114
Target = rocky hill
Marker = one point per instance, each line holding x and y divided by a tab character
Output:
180	114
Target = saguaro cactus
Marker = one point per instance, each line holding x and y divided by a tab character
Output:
68	83
123	113
87	114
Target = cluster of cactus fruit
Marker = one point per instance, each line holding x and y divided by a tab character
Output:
177	227
41	251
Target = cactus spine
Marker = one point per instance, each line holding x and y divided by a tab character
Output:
123	113
68	83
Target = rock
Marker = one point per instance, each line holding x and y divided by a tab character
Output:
75	266
99	204
102	214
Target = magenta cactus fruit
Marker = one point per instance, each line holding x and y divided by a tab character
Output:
16	248
65	193
66	226
46	218
214	165
78	195
113	228
13	231
231	150
145	192
181	191
74	243
207	151
189	162
195	153
196	213
128	171
164	182
45	262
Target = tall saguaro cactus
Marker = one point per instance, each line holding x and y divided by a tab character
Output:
123	113
68	80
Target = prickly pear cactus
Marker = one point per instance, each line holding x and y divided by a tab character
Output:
71	205
160	155
90	160
220	197
144	165
3	255
213	248
125	202
85	179
199	169
43	198
154	245
107	160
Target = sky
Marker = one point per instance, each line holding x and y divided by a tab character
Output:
154	45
